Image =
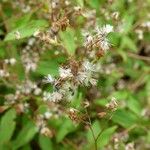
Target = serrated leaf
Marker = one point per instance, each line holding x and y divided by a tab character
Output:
47	67
80	3
24	20
127	24
94	3
26	30
65	128
25	135
7	126
124	118
134	105
45	143
67	38
26	147
128	43
96	129
105	136
114	38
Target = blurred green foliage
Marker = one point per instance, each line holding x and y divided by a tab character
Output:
128	55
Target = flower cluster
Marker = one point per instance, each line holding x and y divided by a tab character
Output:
70	77
82	72
98	41
22	90
30	57
4	72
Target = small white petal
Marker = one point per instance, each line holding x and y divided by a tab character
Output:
65	73
49	79
47	115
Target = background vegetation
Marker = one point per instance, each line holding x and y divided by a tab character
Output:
124	75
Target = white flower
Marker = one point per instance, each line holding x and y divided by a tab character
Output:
67	2
88	38
68	90
105	45
36	33
2	73
31	41
65	73
81	77
108	28
93	81
47	115
46	96
7	74
56	96
37	91
26	9
77	8
73	110
88	66
129	146
140	34
102	35
17	35
46	131
49	79
112	104
86	78
30	66
104	30
6	61
12	61
146	24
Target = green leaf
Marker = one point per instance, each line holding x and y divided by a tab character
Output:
16	22
105	136
49	63
67	38
42	109
76	103
94	3
1	32
80	2
114	38
148	137
101	102
47	67
27	30
26	147
124	118
96	129
7	126
127	42
23	21
65	128
45	143
25	135
127	24
134	105
120	95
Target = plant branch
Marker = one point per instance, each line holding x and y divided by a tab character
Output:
91	129
133	55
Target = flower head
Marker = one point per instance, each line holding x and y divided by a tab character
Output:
49	79
88	66
56	96
65	73
104	30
